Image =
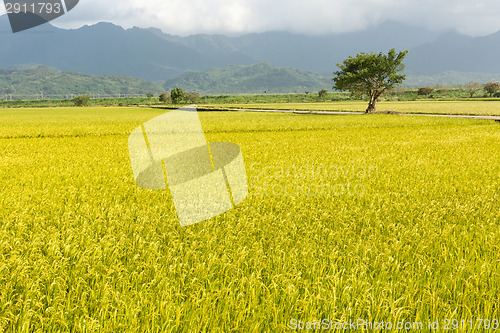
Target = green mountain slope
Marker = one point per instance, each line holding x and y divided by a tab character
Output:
449	78
37	80
259	78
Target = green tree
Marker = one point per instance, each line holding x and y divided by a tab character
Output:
322	94
425	91
491	87
472	87
177	95
370	75
164	97
191	97
82	100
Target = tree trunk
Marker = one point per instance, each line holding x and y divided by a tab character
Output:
371	107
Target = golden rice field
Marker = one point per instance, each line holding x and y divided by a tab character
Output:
375	218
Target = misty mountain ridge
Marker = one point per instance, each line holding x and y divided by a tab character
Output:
150	54
455	52
253	79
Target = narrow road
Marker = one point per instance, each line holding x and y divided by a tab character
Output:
497	118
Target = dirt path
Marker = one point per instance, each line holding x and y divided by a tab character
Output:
497	118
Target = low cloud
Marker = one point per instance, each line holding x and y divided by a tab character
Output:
310	17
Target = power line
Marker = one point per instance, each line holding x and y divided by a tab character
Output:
41	96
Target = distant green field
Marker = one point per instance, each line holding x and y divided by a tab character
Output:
485	107
376	217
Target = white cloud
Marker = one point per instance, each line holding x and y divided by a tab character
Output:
312	16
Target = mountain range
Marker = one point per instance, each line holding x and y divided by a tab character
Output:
28	81
152	55
252	79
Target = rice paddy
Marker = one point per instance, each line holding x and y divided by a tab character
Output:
377	217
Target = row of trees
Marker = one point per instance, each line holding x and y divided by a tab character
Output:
369	75
471	87
177	96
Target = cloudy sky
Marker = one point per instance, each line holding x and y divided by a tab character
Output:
234	17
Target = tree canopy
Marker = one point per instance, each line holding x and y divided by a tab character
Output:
177	95
164	97
82	100
370	74
472	87
492	87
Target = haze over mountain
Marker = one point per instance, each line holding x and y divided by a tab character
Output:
455	52
150	54
260	78
313	53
